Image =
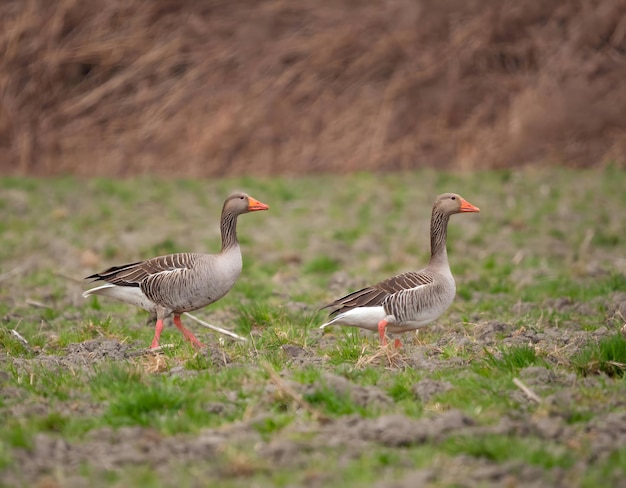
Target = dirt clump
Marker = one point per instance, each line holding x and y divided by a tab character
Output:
361	395
107	448
425	389
394	430
301	356
82	356
95	351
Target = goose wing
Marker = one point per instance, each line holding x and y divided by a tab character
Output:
134	274
373	296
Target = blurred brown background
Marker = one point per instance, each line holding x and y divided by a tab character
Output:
213	88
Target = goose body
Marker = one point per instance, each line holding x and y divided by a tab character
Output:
410	300
182	282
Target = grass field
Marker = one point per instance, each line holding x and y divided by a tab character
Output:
520	383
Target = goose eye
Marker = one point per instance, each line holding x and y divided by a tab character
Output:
453	198
241	198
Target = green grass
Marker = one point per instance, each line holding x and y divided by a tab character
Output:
150	405
321	264
611	470
547	266
501	448
512	359
608	356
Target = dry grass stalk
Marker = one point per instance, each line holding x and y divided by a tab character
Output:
154	363
215	328
19	336
526	390
392	355
151	352
120	88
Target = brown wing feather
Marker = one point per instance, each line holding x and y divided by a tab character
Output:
134	274
373	296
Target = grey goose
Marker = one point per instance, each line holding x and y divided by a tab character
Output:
410	300
181	282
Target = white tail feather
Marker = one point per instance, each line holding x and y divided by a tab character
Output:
127	294
363	317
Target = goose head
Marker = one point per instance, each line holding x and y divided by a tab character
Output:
451	203
239	203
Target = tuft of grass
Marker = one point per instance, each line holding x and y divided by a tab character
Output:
125	377
50	382
146	405
349	347
256	315
514	358
199	362
401	387
478	391
608	356
11	345
307	375
333	403
268	425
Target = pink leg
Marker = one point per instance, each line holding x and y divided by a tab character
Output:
187	333
397	344
157	333
381	331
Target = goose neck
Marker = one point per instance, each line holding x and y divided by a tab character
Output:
438	237
228	228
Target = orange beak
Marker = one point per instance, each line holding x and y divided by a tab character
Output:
468	207
254	205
